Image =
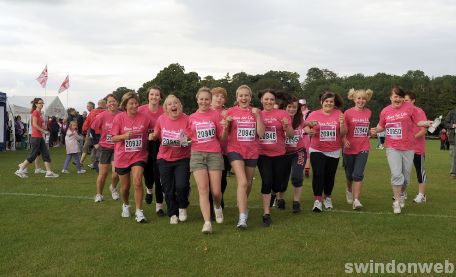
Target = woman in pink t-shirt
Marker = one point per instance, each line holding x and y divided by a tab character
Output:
356	144
173	158
272	162
245	127
37	143
398	120
151	172
103	125
327	127
129	133
206	160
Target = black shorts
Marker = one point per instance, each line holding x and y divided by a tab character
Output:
18	138
235	156
123	171
106	155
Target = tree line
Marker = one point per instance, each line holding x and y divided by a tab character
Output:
435	95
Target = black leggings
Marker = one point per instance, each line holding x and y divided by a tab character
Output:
295	167
152	173
323	173
272	171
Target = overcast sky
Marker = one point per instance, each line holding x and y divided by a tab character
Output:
107	44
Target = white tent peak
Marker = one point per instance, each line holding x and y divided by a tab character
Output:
21	105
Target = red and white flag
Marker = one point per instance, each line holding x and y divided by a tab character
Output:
65	85
42	79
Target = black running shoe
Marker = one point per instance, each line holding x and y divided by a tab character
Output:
149	198
160	213
281	204
267	221
296	207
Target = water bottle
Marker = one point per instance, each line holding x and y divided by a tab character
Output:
435	124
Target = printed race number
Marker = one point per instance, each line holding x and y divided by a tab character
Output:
133	144
246	131
327	132
361	130
205	132
394	130
270	135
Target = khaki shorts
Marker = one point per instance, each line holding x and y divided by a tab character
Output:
206	160
87	144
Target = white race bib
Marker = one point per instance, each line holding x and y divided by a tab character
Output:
270	135
394	130
170	138
327	132
205	132
133	144
246	131
361	130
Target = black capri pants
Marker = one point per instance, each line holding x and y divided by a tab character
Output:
323	173
38	146
272	171
175	179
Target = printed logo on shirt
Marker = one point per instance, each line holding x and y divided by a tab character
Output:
270	135
246	131
394	130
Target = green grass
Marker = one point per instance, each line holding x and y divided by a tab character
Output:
53	227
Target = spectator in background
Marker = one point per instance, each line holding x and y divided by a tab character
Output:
19	129
444	145
450	124
88	145
54	132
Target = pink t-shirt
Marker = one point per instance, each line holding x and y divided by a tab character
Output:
152	115
357	123
273	142
420	143
242	135
170	131
204	131
327	137
103	124
398	124
297	142
133	149
39	121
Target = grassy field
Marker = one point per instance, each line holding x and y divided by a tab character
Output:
53	227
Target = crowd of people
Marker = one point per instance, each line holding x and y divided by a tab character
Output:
163	146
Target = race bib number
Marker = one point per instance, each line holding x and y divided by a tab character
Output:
270	135
394	130
205	132
171	139
293	142
246	131
361	130
134	144
327	132
109	139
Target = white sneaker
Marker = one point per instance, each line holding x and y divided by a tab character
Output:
125	210
357	205
40	171
64	171
91	166
328	203
317	206
51	174
25	170
404	194
349	197
218	215
98	198
242	224
182	215
82	171
173	220
21	174
115	195
420	198
207	228
396	207
139	216
402	200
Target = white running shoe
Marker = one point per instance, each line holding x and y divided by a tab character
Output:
40	171
396	207
125	210
115	195
242	224
173	219
218	215
182	215
420	198
82	171
51	174
91	166
98	198
139	216
207	228
64	171
402	200
317	206
404	194
25	170
21	174
357	205
349	197
328	203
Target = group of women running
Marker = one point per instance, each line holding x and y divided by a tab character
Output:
164	145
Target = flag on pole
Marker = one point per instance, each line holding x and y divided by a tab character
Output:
65	85
42	79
